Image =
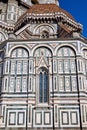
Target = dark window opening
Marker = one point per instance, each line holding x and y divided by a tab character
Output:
45	34
0	11
43	86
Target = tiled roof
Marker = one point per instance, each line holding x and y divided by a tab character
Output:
48	8
42	11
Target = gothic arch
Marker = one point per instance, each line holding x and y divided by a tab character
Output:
43	85
42	68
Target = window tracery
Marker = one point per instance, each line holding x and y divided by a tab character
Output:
19	70
67	69
43	86
43	71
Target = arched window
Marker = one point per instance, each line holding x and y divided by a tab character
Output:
18	70
43	86
43	58
67	69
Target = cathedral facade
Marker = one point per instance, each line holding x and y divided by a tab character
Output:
43	67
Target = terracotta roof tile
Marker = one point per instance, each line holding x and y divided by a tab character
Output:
48	8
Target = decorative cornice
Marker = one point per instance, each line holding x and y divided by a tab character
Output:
58	16
6	26
47	13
